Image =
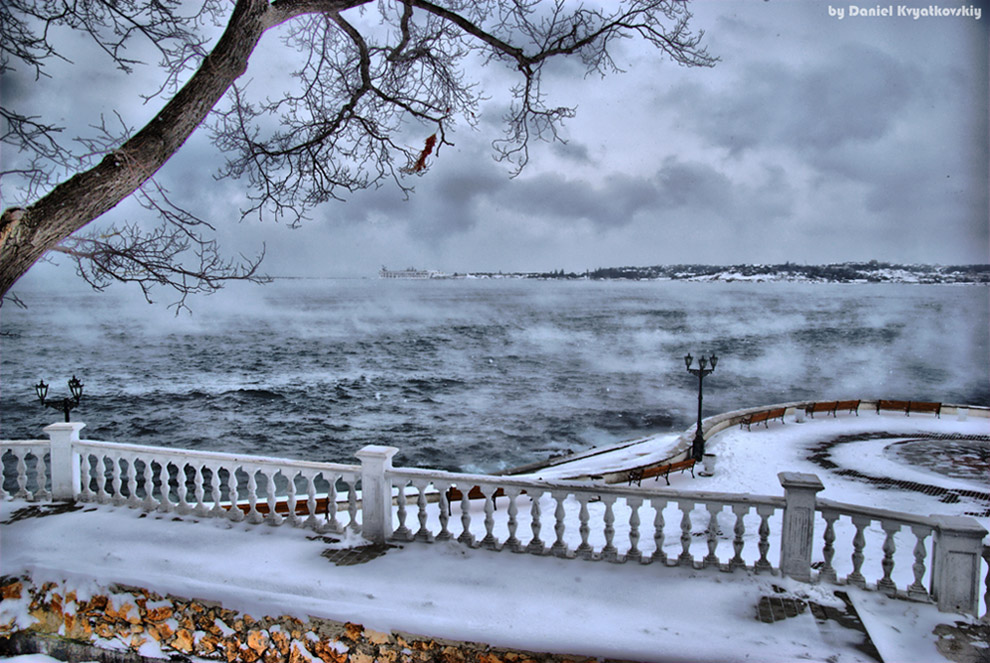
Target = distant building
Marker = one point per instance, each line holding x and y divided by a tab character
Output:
410	273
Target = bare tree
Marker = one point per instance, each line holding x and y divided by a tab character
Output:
367	72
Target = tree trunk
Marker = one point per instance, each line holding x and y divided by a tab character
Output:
27	233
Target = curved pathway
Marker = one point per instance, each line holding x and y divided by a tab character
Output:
821	455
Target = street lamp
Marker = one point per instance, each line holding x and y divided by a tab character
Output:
698	447
66	404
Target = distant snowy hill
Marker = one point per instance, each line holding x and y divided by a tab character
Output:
846	272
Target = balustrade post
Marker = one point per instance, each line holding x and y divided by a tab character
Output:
955	578
797	532
376	492
64	464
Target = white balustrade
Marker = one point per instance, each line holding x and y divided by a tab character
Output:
933	558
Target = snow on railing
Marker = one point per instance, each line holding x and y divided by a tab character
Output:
797	535
593	522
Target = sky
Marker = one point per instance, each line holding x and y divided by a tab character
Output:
816	138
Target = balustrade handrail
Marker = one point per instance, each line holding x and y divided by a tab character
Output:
875	513
544	485
190	454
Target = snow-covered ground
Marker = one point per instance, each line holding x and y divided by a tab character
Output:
628	611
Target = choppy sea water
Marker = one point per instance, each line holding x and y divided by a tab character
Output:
475	375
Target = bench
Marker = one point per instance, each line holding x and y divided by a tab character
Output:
663	470
907	407
764	417
821	406
851	406
832	407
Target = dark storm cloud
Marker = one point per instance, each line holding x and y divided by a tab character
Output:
853	95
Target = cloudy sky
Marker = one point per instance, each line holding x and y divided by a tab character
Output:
815	139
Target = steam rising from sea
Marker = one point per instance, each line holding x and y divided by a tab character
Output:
476	375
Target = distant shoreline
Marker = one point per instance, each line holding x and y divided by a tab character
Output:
847	272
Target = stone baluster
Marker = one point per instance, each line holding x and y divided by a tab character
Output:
182	489
41	478
253	515
118	496
739	532
685	558
828	550
536	545
917	589
103	495
559	547
763	564
609	552
445	510
291	499
149	503
584	550
133	500
216	492
199	491
634	552
352	506
859	542
271	497
711	559
22	477
658	524
513	543
466	537
489	541
235	513
402	533
86	477
886	584
332	524
164	489
423	534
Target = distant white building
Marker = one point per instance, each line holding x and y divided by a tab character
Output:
410	273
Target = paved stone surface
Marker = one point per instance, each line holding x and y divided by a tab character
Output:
821	455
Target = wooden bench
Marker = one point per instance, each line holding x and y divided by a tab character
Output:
895	406
764	417
832	407
907	407
821	406
663	470
851	406
924	406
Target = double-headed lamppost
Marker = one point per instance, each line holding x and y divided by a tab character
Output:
698	448
66	404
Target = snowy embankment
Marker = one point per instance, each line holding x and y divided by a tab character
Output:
628	611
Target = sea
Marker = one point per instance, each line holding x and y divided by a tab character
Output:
477	375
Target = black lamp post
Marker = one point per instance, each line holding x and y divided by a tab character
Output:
66	404
698	447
